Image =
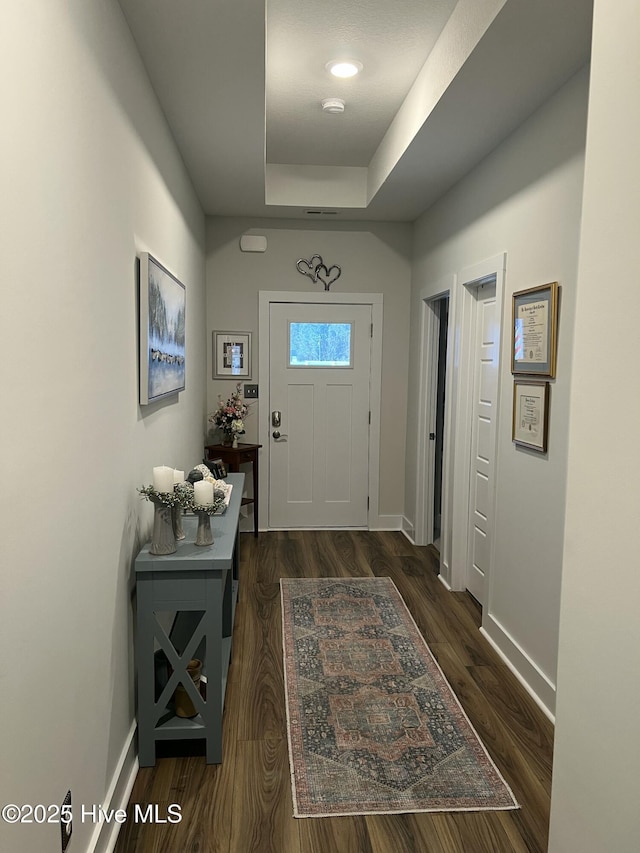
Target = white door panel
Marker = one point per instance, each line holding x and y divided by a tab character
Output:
481	508
299	408
484	438
485	356
318	467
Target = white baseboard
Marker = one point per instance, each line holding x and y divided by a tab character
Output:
380	522
311	529
535	682
409	530
444	583
105	834
407	536
386	522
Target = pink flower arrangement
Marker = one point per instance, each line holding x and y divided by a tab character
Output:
229	416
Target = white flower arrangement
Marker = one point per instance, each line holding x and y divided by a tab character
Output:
230	414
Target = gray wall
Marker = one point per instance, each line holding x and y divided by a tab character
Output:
594	804
90	176
374	257
525	200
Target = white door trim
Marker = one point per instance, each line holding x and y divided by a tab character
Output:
425	457
427	385
492	269
427	391
265	299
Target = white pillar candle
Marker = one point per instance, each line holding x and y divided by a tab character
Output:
163	479
178	476
203	493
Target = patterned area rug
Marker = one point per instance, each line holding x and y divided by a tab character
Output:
373	725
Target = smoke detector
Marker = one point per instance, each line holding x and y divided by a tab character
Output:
333	105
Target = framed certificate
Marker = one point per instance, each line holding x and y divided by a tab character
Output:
535	331
530	414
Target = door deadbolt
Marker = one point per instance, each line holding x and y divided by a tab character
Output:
276	419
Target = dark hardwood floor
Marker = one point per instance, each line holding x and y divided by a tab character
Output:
244	804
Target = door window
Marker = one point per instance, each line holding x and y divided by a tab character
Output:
320	345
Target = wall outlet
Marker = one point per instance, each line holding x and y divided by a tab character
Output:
251	392
66	823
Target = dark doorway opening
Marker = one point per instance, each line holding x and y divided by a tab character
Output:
442	309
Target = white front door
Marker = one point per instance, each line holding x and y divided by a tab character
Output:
485	386
319	375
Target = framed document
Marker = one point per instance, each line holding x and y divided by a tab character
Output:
530	414
535	331
231	355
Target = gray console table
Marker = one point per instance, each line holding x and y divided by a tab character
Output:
200	585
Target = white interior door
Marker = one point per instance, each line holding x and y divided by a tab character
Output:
319	377
485	387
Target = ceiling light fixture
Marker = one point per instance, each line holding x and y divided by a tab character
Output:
344	68
333	105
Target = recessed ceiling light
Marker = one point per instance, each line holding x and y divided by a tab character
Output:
344	68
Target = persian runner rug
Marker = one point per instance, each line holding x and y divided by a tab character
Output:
373	725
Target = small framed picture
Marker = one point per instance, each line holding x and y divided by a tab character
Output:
535	331
530	414
231	355
218	468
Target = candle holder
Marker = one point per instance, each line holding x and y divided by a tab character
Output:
184	491
204	536
176	522
163	538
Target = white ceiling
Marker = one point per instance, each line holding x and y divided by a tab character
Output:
444	81
390	39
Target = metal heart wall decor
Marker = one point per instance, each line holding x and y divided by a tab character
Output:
328	275
316	270
309	267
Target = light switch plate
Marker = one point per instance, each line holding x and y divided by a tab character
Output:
251	392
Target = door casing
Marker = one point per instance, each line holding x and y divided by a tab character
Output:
265	299
429	341
492	269
429	330
485	300
457	429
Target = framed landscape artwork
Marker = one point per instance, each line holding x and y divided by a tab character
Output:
162	331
